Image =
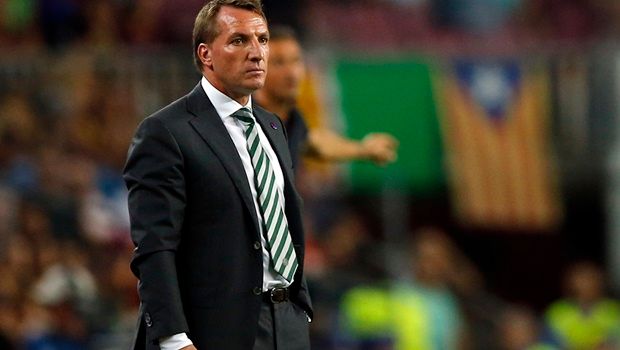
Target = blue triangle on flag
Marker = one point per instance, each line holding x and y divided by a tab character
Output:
491	85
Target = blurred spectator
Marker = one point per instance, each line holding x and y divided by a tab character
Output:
19	121
104	112
21	263
434	264
10	302
104	218
280	95
341	258
369	320
57	192
67	280
419	314
8	212
520	330
103	29
67	293
586	318
19	138
142	26
18	24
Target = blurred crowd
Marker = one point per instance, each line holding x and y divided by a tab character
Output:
412	23
63	217
441	301
62	24
75	79
68	109
56	24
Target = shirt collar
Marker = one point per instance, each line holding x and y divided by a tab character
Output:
224	105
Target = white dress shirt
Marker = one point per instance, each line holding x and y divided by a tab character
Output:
225	107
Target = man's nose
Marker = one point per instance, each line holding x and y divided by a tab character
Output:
257	50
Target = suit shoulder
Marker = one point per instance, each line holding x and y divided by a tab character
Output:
173	113
169	121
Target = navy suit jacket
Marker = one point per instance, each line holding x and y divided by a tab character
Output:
195	228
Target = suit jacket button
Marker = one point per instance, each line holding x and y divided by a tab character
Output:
147	319
257	290
257	245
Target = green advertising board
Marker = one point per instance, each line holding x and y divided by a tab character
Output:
394	96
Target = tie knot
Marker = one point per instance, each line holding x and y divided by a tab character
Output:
244	115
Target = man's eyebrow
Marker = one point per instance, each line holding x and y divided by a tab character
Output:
249	33
233	34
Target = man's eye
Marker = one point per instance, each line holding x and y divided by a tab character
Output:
237	41
264	40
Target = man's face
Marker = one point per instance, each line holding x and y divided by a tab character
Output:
236	61
286	70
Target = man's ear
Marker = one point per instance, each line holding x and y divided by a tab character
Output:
204	54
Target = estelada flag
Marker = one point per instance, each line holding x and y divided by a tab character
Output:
495	120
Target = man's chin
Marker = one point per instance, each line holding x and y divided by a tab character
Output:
253	86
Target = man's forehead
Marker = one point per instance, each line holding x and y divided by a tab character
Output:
233	18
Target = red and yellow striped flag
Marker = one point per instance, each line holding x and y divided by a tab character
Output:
495	122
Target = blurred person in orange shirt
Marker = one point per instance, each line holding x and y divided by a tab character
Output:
280	94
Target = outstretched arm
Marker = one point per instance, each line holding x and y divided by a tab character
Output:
325	144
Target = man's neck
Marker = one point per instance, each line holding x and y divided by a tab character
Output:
280	107
241	98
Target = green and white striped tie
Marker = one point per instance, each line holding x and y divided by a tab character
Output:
279	241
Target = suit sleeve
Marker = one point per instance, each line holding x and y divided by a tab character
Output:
154	177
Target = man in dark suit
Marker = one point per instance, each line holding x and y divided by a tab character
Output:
214	213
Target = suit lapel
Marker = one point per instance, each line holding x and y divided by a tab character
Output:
210	127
